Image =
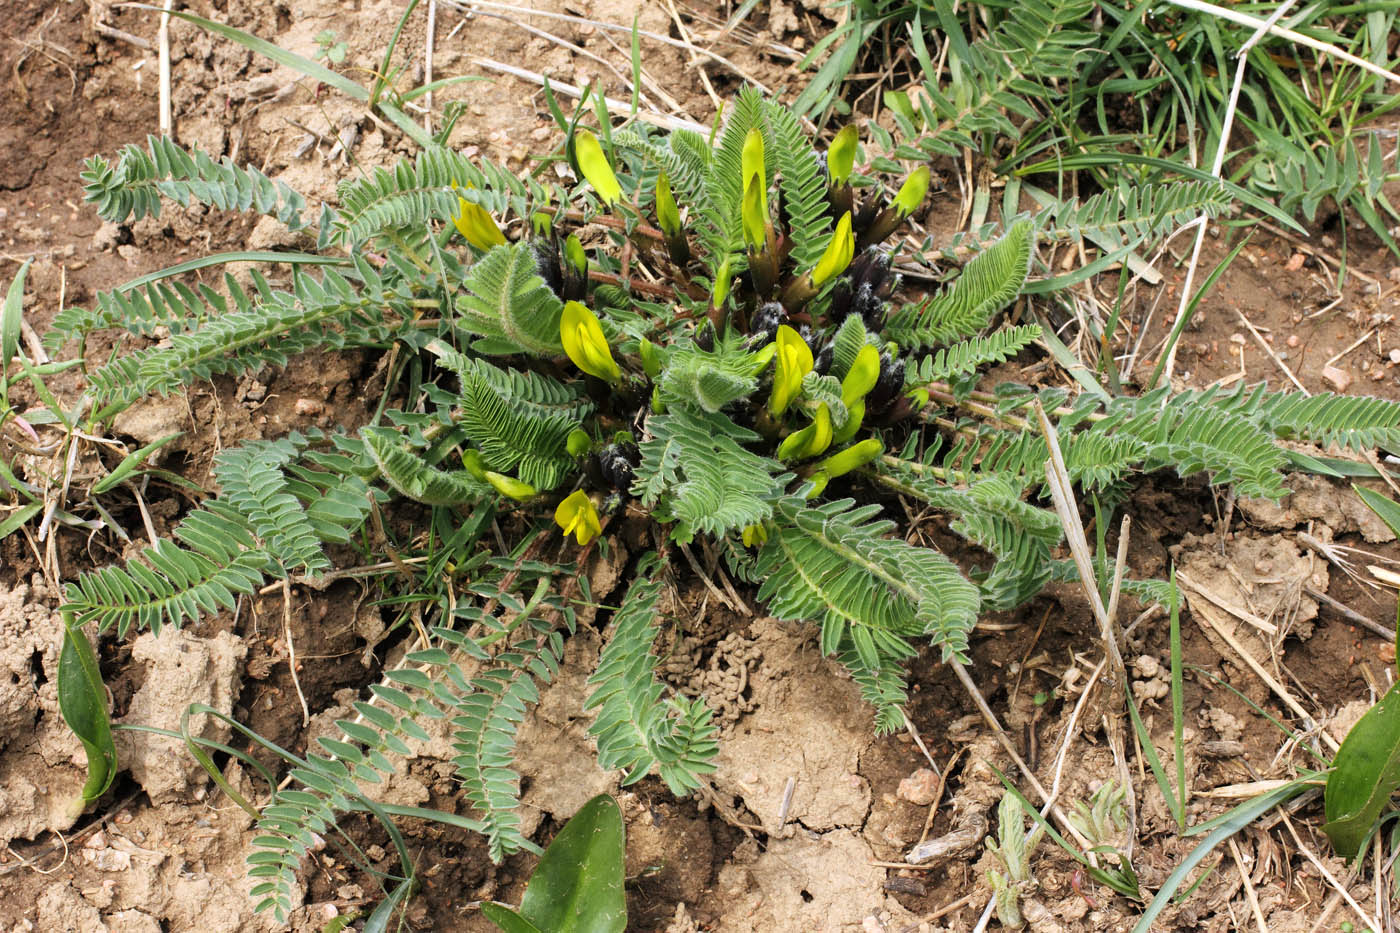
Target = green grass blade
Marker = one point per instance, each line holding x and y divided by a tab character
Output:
1236	820
381	79
1154	761
9	322
306	66
1190	310
1178	700
1364	774
218	259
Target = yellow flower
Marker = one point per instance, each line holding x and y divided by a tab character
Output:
794	361
594	165
860	379
755	535
862	376
853	457
585	342
475	224
838	252
811	440
578	516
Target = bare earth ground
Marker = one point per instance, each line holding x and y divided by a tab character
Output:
164	851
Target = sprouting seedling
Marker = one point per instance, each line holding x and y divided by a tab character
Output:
1104	818
1012	852
329	48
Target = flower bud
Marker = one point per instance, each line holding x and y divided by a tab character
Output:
911	193
838	253
511	487
594	165
841	156
668	216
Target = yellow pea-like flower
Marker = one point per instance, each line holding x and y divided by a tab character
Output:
578	516
794	360
811	440
863	375
855	414
755	535
475	224
585	342
593	162
752	166
753	215
838	252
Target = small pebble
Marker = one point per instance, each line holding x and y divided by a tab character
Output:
1293	340
919	787
1338	379
1395	355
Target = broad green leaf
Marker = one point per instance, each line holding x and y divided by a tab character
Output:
1364	774
508	919
577	887
83	703
1384	507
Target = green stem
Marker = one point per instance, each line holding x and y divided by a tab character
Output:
409	251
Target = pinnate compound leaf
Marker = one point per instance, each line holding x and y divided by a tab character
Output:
987	284
509	306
